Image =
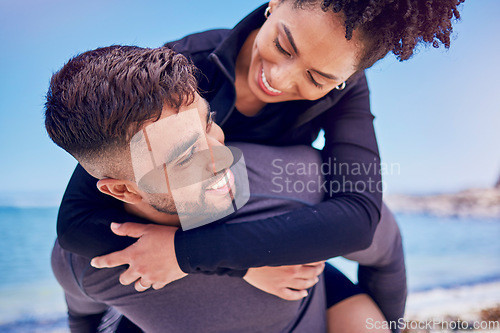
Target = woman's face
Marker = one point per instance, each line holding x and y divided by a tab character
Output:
300	54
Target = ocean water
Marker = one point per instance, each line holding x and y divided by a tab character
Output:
445	252
440	253
30	298
450	252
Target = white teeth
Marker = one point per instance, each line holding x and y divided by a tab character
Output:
221	183
266	84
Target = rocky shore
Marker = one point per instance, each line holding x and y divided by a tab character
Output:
479	202
474	202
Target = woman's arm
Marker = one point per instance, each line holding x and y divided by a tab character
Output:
85	216
343	224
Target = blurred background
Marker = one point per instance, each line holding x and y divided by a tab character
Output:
437	122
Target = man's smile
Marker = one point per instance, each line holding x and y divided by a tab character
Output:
222	184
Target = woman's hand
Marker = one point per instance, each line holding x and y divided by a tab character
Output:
287	282
152	261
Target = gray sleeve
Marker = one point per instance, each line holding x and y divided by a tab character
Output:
382	271
84	313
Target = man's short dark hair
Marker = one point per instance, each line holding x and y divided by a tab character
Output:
101	98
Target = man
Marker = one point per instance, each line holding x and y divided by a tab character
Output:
97	106
133	120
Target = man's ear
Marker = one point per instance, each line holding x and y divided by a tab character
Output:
120	189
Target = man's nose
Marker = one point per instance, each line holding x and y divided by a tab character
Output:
216	133
220	158
219	154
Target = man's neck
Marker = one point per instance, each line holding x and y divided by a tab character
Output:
147	212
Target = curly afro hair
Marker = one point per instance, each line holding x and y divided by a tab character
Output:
393	25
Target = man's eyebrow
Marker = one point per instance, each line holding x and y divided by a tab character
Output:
289	35
208	109
290	38
182	147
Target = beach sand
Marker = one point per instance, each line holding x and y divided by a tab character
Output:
43	310
462	307
466	302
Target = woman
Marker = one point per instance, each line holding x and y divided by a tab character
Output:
286	71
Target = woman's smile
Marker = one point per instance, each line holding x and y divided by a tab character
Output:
266	87
296	55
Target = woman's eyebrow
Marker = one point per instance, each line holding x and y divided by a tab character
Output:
289	36
328	76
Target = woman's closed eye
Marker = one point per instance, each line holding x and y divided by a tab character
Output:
280	48
313	81
288	54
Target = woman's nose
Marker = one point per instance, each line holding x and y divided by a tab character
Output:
282	77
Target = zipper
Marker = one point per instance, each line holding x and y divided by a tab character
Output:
215	59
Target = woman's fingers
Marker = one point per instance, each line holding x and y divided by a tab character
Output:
141	285
301	284
309	271
292	295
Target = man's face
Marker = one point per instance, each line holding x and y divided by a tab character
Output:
182	166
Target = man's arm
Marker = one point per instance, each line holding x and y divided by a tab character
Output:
84	312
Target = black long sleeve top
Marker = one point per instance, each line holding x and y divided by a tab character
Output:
344	222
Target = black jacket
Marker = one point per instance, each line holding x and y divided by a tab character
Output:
345	222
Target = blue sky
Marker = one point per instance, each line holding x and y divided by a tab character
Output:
437	115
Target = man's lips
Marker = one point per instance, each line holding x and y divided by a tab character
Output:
266	87
223	184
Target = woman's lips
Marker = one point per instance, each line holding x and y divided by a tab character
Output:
266	87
